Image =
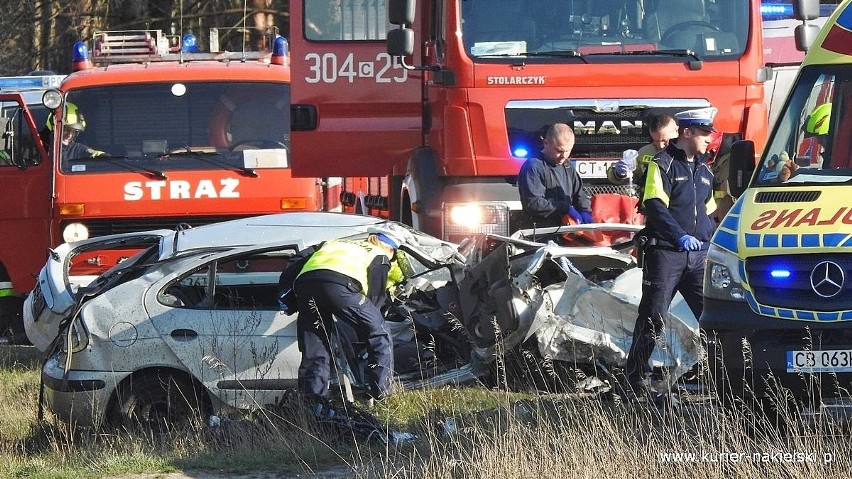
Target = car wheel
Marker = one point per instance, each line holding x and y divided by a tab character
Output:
158	401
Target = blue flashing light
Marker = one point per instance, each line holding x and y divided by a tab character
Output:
780	273
20	83
189	43
280	46
776	11
81	53
521	152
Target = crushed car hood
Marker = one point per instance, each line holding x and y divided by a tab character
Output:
525	289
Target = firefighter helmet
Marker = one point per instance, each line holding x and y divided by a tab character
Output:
817	123
74	118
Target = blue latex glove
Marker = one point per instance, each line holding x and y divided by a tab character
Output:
689	243
621	169
572	212
587	217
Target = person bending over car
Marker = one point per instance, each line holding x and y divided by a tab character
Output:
347	279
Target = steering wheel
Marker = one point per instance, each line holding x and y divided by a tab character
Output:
262	142
679	27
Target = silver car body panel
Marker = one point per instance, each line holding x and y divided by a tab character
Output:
55	292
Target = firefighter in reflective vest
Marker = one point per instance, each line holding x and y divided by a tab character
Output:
347	279
7	315
678	202
73	125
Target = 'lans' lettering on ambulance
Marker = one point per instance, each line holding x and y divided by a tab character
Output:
801	217
181	189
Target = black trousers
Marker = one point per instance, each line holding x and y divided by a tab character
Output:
665	272
318	302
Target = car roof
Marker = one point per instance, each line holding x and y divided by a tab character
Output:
309	228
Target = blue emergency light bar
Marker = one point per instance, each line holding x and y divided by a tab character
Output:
784	11
776	11
30	82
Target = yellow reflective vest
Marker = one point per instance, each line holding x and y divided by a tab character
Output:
347	257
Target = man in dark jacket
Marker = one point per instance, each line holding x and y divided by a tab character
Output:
550	187
678	201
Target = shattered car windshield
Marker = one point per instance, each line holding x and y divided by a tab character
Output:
154	128
711	29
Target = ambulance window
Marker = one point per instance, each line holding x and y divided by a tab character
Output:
806	145
345	20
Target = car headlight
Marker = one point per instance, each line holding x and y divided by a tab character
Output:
722	279
75	232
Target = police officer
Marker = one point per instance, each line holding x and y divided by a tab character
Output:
678	202
347	279
550	187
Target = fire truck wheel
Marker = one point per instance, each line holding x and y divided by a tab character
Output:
261	142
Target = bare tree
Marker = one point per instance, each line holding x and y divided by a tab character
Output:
40	34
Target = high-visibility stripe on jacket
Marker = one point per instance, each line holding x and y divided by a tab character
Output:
6	289
678	197
347	257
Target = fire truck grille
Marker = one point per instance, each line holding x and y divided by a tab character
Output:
600	132
132	225
804	287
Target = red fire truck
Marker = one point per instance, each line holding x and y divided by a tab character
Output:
450	125
146	133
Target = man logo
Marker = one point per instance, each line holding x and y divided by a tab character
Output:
827	279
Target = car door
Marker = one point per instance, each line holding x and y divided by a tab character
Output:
221	320
26	191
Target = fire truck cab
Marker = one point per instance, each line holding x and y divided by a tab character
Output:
150	133
462	101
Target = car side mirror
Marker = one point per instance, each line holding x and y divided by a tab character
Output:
742	164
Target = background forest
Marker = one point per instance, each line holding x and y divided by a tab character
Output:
40	34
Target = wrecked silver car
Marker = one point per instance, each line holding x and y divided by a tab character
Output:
191	323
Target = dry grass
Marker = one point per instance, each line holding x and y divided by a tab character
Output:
461	433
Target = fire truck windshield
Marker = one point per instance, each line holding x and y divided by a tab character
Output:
709	28
161	127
